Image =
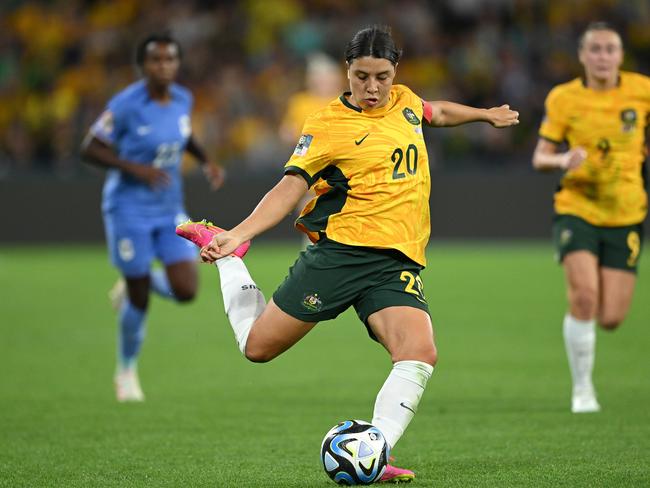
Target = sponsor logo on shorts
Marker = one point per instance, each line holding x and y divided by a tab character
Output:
565	237
125	249
312	302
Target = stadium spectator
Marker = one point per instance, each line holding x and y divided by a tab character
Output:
471	51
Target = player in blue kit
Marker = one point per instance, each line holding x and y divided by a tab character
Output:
140	138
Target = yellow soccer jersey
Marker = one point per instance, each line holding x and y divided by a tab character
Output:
370	172
608	188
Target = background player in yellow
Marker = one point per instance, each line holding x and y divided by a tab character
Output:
323	83
601	202
365	155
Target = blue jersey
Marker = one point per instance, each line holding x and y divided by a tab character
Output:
148	132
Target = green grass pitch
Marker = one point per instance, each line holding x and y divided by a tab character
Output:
495	413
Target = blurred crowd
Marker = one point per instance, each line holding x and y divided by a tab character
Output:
61	60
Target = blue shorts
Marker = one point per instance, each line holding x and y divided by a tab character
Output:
134	242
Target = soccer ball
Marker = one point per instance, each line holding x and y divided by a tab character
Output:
354	452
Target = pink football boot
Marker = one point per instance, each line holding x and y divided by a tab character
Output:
396	475
201	234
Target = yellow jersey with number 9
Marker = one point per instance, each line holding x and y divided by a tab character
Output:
608	188
370	173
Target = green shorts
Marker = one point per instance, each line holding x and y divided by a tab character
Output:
328	277
615	247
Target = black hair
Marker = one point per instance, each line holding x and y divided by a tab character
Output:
162	37
375	41
596	26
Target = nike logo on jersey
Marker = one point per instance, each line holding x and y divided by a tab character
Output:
143	130
406	407
362	139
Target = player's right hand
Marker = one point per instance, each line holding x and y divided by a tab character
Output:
573	158
502	116
222	245
154	177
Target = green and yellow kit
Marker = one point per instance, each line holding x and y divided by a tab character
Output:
608	188
370	173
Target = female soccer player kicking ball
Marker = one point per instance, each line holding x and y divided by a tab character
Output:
364	154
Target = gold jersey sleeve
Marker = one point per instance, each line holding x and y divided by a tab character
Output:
608	188
370	174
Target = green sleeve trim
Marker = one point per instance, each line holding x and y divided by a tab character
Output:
301	172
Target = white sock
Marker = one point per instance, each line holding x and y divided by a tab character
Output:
242	299
580	342
398	399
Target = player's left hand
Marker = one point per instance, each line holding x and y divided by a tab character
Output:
502	116
222	245
215	175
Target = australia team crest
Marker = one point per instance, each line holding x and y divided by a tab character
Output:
410	116
312	302
628	117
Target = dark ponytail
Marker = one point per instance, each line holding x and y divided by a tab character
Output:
375	41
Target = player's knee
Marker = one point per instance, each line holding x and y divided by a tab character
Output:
258	355
427	355
584	302
184	293
140	301
185	296
257	352
610	322
430	357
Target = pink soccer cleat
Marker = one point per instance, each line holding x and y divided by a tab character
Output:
396	475
201	234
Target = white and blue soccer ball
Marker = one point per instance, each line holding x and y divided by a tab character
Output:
354	452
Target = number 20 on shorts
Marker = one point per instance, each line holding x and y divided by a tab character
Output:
414	285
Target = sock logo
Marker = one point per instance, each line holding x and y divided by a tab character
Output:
402	404
250	287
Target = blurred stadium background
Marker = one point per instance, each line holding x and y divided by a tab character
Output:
61	60
496	412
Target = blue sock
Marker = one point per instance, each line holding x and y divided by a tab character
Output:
160	284
131	334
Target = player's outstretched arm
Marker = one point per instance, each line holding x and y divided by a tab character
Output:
546	156
449	114
97	152
275	206
214	173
